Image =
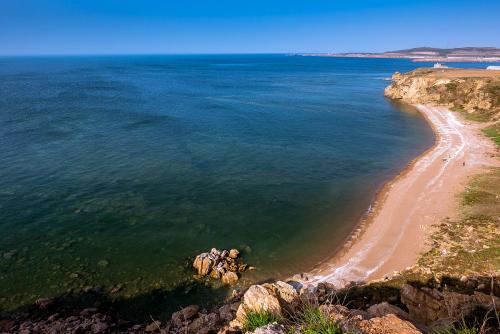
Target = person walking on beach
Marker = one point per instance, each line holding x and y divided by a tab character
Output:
463	163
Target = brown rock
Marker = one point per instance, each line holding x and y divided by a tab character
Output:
187	313
228	330
234	253
227	312
152	327
257	299
382	309
286	294
44	303
230	278
439	309
206	323
203	263
388	324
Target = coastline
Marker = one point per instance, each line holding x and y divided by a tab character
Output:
395	230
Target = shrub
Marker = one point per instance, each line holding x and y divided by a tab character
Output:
313	321
254	320
462	329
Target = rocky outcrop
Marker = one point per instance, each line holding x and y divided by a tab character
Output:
274	298
224	265
466	90
438	309
428	309
360	322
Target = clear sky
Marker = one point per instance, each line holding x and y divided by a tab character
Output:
250	26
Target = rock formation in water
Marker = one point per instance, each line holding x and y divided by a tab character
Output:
476	92
224	265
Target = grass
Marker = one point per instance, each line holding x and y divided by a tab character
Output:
476	116
493	89
462	329
312	321
254	320
494	133
469	245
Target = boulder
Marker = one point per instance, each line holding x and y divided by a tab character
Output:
217	263
383	309
44	303
273	328
337	313
257	299
206	323
228	330
286	294
388	324
234	253
203	264
182	316
440	309
227	312
230	278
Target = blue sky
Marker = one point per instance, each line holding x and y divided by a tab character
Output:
251	26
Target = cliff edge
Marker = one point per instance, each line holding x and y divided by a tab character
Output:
475	92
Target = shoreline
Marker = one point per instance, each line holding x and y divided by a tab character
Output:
370	252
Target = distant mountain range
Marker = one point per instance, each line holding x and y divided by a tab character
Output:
480	54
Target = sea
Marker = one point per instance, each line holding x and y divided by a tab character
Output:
115	171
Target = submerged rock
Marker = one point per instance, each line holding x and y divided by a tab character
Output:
217	264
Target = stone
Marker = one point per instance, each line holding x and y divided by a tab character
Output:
215	274
10	254
229	330
44	303
227	312
152	327
234	253
383	309
388	324
103	263
273	328
230	278
286	294
187	313
99	327
203	264
432	307
257	299
207	323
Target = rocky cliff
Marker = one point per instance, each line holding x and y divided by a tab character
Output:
474	92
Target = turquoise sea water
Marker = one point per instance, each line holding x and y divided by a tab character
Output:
116	170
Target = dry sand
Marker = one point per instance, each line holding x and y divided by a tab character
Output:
425	193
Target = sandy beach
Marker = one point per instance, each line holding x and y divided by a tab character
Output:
395	231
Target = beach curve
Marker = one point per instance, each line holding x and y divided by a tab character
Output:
395	231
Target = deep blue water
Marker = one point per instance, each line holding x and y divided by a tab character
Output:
145	161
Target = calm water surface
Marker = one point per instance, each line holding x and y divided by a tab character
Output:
115	170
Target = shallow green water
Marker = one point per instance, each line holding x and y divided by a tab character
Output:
116	170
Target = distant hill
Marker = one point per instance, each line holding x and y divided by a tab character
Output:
430	54
465	51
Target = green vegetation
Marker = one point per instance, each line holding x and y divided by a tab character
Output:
494	133
471	244
313	321
493	89
476	116
255	320
451	87
462	329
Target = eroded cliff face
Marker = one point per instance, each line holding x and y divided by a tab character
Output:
475	92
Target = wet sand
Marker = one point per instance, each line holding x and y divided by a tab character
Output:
395	232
